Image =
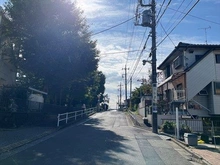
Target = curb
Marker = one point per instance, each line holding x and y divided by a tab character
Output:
195	157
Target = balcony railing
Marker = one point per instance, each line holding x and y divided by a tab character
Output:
178	95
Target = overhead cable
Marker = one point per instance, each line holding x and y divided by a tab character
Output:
141	54
178	23
163	11
112	27
217	23
134	64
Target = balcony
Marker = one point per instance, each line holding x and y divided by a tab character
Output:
178	95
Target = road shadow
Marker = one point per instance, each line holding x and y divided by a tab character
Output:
87	143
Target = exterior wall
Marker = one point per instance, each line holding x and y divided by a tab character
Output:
203	100
200	76
141	111
216	101
216	98
217	71
179	80
190	57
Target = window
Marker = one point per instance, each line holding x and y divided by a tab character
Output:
217	58
179	86
177	62
217	88
168	71
203	92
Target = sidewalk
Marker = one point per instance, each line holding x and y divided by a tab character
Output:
209	154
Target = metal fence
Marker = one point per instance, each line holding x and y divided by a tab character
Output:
196	125
70	116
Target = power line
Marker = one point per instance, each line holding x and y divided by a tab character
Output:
178	18
119	52
177	23
176	12
132	36
135	62
161	8
167	34
195	16
112	27
164	11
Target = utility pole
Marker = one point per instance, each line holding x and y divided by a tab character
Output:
149	20
154	69
126	88
120	96
130	93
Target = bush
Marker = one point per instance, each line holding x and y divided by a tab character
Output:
168	127
184	129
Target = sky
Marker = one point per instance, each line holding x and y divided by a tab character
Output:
120	40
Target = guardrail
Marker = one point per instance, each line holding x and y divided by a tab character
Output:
73	115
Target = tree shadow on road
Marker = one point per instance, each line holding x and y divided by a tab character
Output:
79	144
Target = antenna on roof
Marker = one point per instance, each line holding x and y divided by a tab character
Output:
205	29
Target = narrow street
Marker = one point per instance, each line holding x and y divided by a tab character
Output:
105	138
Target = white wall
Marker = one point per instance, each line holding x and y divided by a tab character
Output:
200	76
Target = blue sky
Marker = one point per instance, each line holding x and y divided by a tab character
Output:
114	43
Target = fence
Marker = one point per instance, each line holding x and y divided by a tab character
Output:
195	125
74	115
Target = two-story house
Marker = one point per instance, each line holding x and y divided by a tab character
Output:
191	74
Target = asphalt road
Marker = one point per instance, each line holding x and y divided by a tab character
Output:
105	138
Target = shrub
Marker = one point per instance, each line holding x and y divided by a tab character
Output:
184	129
168	127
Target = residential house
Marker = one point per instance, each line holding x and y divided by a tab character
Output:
191	80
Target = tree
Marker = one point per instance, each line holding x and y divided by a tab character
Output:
52	44
144	89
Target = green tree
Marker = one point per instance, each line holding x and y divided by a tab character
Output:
144	89
52	44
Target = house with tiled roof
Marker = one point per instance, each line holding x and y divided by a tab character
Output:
191	80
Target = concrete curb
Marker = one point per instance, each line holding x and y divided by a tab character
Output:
195	157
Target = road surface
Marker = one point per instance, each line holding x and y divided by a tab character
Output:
105	138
